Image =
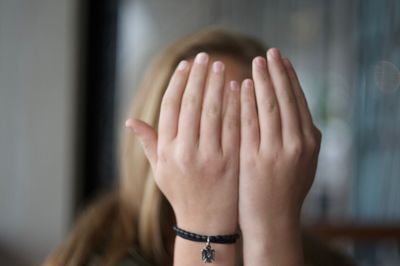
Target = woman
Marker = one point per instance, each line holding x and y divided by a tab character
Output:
228	142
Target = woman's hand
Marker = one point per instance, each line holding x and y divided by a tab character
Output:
195	157
278	158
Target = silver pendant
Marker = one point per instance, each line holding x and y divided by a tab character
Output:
207	253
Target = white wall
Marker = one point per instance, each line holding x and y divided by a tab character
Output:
37	87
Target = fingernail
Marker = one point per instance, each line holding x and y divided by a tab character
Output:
273	53
128	123
260	62
201	58
182	65
218	67
233	85
248	83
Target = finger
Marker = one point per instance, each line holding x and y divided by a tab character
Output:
225	98
304	111
268	111
250	132
231	120
171	102
211	118
147	137
189	118
286	99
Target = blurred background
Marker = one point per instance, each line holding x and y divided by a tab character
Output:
68	71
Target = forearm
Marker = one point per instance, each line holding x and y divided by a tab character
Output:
189	253
279	243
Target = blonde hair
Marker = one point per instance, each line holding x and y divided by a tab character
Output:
137	212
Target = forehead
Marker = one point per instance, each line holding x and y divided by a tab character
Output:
234	68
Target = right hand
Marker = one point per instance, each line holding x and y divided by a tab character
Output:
195	157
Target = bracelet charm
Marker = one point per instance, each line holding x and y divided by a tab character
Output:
208	254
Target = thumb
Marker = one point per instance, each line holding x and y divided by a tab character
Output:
147	137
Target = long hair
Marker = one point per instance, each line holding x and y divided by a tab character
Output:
137	213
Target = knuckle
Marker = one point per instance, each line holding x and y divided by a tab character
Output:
282	71
210	151
289	97
212	166
315	141
249	121
183	155
271	154
212	111
168	102
209	159
227	151
250	161
269	104
262	75
231	122
232	163
189	101
248	99
185	164
295	149
318	134
312	145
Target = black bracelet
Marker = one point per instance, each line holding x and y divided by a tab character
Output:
219	239
208	254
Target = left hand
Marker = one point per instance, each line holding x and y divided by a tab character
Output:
279	148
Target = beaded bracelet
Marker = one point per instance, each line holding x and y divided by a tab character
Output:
207	253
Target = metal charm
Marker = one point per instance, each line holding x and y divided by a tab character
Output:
207	253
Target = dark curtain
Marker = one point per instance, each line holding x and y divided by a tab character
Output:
97	92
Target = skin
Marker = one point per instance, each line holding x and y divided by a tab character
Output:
222	164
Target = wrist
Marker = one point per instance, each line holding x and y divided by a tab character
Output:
271	224
223	245
271	232
278	242
207	225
